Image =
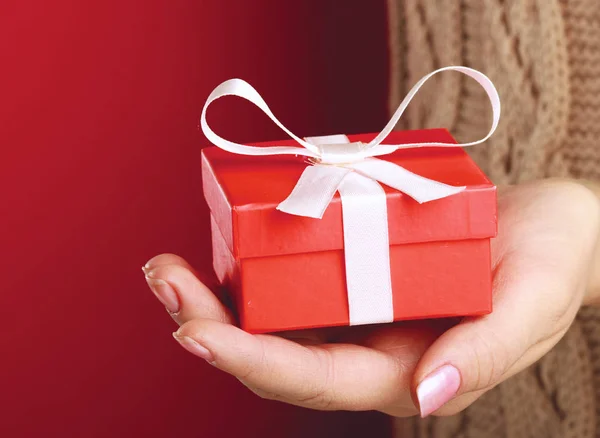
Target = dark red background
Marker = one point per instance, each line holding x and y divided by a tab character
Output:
100	170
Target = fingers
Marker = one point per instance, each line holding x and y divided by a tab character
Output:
304	373
179	289
166	259
171	259
329	377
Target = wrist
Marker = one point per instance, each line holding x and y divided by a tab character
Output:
592	292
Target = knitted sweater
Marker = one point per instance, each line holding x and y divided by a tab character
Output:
544	58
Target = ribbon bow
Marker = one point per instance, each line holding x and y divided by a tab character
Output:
336	165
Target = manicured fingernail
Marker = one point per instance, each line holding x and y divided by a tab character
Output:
437	389
164	292
149	265
194	347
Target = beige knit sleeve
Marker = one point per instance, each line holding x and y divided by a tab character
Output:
543	56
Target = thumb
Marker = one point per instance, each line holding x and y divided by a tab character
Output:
461	365
541	262
479	353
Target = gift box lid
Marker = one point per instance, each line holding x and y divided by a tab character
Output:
243	192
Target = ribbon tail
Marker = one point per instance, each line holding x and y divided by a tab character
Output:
314	191
366	250
419	188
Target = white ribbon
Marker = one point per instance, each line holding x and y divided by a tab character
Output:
338	165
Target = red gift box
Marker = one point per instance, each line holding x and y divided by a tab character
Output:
288	272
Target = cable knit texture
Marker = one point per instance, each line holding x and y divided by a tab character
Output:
544	58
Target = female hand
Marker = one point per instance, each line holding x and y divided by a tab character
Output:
543	260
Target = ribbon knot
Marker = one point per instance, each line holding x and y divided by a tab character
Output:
341	153
352	170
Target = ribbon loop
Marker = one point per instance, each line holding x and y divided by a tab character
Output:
482	79
240	88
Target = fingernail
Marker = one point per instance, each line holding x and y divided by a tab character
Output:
148	266
164	292
194	347
437	389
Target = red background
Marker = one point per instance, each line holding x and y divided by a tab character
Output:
100	170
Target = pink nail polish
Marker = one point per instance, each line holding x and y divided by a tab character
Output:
437	389
165	293
194	347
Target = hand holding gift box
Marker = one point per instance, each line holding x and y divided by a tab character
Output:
294	259
290	271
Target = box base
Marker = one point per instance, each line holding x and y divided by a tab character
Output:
301	291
